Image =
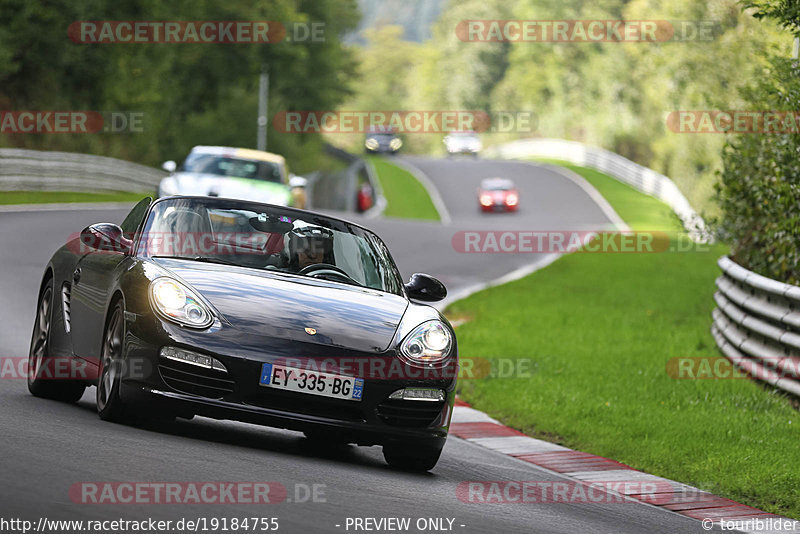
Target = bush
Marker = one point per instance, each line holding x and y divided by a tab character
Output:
759	188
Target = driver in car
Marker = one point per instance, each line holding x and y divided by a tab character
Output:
309	245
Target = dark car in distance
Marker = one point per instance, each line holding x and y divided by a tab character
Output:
382	140
237	310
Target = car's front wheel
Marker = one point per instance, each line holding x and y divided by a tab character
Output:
410	458
109	404
42	381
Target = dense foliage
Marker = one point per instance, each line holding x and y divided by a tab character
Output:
608	94
759	190
189	93
786	12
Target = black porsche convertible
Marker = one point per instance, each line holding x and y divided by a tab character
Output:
237	310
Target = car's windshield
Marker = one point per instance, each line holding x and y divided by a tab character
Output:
498	186
268	238
224	165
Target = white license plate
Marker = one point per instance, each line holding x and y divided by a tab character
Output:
311	382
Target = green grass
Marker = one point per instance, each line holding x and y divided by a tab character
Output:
48	197
600	329
405	195
641	212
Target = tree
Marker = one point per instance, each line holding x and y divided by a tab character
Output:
786	12
189	93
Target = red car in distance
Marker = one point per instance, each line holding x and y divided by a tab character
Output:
498	194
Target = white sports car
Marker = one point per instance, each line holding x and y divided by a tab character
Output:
237	173
463	143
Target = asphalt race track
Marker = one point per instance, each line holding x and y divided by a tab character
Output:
47	447
548	202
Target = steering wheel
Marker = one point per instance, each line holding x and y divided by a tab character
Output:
323	269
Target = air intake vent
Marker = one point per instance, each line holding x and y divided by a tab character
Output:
66	293
195	380
409	413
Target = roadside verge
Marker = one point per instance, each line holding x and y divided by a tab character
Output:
406	194
609	336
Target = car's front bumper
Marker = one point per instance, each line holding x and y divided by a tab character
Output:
498	207
186	390
147	398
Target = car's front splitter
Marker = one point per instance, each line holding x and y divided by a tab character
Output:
149	399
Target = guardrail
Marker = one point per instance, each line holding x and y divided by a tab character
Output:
378	199
757	325
641	178
39	170
339	190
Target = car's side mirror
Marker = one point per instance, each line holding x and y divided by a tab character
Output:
106	237
425	288
169	166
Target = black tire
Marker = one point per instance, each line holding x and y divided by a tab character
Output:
39	355
109	404
411	459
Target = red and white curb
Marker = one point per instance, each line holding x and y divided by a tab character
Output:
480	429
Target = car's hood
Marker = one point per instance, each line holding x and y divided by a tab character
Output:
278	306
190	183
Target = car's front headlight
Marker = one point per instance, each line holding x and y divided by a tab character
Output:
177	303
395	143
429	343
371	143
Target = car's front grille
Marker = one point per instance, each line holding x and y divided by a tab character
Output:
195	380
409	413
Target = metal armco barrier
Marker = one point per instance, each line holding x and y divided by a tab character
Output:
337	190
641	178
757	325
38	170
